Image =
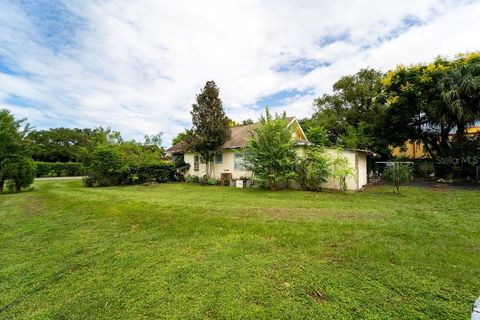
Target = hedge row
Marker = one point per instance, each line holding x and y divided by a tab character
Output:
59	169
159	172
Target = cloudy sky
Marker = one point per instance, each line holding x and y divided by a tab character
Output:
136	66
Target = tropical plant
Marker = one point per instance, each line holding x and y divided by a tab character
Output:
270	152
397	174
210	126
313	169
341	170
460	89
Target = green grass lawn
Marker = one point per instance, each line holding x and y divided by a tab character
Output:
192	252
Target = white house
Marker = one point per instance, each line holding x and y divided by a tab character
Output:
230	162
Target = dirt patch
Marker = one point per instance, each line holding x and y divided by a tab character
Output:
317	296
32	206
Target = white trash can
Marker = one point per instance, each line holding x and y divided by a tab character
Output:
239	184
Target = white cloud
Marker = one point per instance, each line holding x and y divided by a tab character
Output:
137	66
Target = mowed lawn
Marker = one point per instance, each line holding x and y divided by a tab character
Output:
191	252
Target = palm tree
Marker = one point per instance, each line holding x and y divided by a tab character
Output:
460	89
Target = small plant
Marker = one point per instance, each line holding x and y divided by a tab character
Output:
397	174
191	179
425	169
212	182
342	170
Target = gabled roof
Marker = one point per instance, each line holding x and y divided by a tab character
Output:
238	137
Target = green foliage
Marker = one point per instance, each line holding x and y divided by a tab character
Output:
192	179
357	137
397	174
425	168
426	102
60	169
126	163
313	169
20	172
14	150
270	151
352	115
210	126
179	138
105	166
212	182
315	133
341	170
154	140
69	145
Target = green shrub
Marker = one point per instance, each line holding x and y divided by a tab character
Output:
60	169
159	172
21	172
112	165
105	167
425	168
397	174
192	179
313	170
212	182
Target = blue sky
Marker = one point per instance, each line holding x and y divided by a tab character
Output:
137	66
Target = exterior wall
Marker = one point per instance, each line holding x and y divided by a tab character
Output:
357	160
227	166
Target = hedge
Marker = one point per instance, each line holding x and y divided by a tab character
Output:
59	169
159	172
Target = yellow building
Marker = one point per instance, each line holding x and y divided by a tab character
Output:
415	149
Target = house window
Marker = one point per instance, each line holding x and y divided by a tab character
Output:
196	163
218	158
239	161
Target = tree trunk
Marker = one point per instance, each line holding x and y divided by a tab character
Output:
461	135
2	183
207	168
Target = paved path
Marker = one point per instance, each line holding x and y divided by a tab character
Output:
58	178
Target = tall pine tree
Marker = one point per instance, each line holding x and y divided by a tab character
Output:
210	129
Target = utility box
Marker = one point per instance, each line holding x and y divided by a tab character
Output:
239	183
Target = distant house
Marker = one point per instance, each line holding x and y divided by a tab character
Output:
416	149
230	162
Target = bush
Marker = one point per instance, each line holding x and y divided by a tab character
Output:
192	179
112	165
60	169
212	182
105	167
397	175
425	168
21	172
313	170
159	172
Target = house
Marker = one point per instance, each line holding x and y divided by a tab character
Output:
230	162
416	149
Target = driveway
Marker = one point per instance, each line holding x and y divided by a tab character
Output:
58	178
